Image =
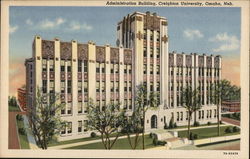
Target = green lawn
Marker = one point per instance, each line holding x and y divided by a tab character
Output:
55	143
14	108
207	132
120	144
24	143
191	126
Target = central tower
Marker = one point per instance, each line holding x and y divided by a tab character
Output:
146	34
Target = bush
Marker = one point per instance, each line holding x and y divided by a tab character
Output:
22	131
228	130
151	135
19	117
236	129
171	123
209	123
195	136
155	141
196	123
165	126
93	134
175	125
162	143
191	136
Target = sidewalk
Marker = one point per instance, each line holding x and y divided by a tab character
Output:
85	142
31	139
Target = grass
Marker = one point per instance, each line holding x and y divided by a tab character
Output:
207	132
191	126
23	139
120	144
55	143
14	108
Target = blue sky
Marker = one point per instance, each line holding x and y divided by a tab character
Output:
201	30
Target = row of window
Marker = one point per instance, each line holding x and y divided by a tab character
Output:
151	69
151	33
188	72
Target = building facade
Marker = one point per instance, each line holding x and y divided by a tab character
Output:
110	74
21	97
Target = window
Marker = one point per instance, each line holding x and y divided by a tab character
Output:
117	86
51	86
151	34
103	67
79	66
69	106
97	86
158	86
130	104
129	69
85	123
69	86
207	113
79	87
144	52
112	87
44	86
85	87
69	126
51	65
158	69
79	107
63	86
62	66
97	68
80	126
69	66
103	86
151	69
112	68
186	115
44	63
199	114
151	52
63	110
116	68
130	86
145	34
125	104
85	64
158	53
144	69
202	114
125	69
151	87
157	36
178	116
215	113
181	116
85	107
63	131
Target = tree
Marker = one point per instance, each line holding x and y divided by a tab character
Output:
221	90
133	125
12	101
144	103
106	121
191	101
45	117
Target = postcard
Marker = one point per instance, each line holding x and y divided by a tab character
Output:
125	79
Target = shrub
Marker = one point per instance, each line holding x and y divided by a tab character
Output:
209	123
228	130
19	117
236	129
162	143
195	136
171	123
175	125
220	122
155	141
191	136
165	126
151	135
93	134
196	123
22	131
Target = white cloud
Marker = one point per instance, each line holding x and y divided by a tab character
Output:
13	29
75	26
49	24
192	34
29	22
227	42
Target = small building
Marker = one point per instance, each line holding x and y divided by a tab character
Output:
230	106
21	97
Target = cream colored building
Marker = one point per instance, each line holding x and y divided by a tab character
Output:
110	74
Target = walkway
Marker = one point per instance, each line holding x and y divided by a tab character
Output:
231	121
13	132
31	139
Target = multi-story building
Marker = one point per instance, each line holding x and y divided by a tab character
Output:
21	97
110	74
